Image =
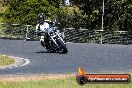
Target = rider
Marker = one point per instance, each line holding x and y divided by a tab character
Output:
41	24
41	27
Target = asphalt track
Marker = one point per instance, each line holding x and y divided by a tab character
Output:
92	57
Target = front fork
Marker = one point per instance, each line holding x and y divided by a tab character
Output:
53	39
57	38
61	39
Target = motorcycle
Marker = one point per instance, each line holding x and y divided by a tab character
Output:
52	40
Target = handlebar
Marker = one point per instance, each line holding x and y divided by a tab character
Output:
52	22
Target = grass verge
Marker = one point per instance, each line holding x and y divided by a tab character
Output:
5	60
53	82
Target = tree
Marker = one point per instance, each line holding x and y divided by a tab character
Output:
117	14
26	11
4	2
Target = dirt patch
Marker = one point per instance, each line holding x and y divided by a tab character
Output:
29	77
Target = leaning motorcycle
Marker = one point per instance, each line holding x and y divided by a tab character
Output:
54	41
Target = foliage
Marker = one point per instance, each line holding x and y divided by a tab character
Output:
117	14
69	18
26	11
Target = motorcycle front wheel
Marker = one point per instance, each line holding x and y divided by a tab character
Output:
62	48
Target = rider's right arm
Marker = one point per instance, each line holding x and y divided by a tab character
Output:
37	28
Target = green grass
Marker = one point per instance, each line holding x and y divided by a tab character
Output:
5	60
63	83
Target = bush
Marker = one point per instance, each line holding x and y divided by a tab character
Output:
71	18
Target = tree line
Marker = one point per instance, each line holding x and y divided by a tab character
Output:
83	13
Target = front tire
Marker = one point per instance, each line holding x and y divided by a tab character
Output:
62	48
